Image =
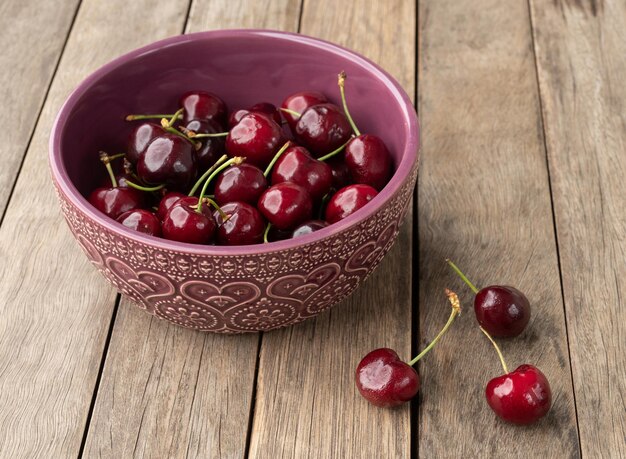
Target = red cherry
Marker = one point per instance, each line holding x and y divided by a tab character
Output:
501	310
141	220
168	159
212	147
298	103
184	223
244	183
244	224
521	397
347	201
368	161
296	165
257	137
201	105
286	205
139	138
167	201
309	227
268	109
341	174
236	116
115	201
322	128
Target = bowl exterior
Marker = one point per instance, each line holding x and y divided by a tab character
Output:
237	294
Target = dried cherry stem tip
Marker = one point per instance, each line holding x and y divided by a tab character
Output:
504	367
106	160
456	310
461	275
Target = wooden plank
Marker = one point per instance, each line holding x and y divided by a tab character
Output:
56	308
170	392
484	200
307	405
36	32
581	67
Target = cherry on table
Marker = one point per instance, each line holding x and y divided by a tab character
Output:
170	160
309	227
522	396
286	205
501	310
239	223
141	220
188	221
322	128
384	380
244	183
347	201
256	137
202	105
296	165
296	104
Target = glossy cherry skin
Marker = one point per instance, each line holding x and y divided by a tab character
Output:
322	128
244	226
141	220
167	201
347	201
243	182
274	234
521	396
286	205
236	116
368	161
268	109
296	165
212	147
184	224
309	227
115	201
201	105
341	174
170	160
257	137
501	310
299	102
139	138
386	381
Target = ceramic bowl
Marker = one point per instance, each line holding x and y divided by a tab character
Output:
243	288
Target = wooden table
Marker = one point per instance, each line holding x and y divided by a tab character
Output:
522	182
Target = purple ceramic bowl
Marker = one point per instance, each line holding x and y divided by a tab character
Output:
244	288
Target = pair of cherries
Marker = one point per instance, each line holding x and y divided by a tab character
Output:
522	396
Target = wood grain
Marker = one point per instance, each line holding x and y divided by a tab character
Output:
581	67
306	403
170	392
36	32
56	308
484	200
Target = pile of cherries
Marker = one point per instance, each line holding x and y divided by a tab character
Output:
522	396
206	176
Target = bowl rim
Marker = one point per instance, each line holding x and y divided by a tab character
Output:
409	157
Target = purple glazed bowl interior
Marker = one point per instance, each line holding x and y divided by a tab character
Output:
243	67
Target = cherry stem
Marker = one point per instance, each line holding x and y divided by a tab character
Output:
106	160
275	158
266	232
236	160
223	214
149	117
165	124
335	152
456	310
201	180
291	112
193	135
504	367
461	275
144	188
341	81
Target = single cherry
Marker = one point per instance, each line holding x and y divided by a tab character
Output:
309	227
239	223
296	165
243	183
167	201
170	160
201	105
341	174
236	116
256	137
322	128
187	221
114	200
268	109
347	201
141	220
366	155
139	138
212	147
501	310
286	205
384	380
296	104
522	396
